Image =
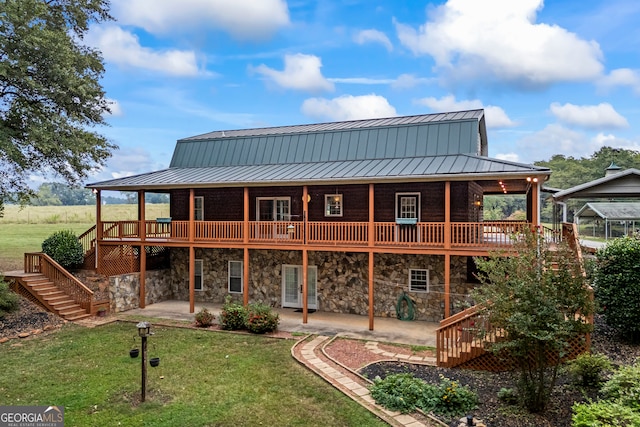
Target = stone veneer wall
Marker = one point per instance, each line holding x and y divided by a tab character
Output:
342	280
124	289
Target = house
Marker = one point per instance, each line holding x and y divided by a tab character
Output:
342	217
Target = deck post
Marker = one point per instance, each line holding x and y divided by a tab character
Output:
371	242
305	260
98	228
143	276
142	229
192	252
245	239
447	248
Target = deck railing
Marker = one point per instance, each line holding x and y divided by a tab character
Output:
487	234
65	281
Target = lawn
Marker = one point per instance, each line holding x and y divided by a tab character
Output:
204	379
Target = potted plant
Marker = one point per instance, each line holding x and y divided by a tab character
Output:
154	361
134	352
101	312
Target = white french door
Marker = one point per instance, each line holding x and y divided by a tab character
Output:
277	210
292	286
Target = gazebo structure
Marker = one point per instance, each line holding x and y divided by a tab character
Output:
613	219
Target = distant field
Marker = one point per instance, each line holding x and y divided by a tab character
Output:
24	230
78	214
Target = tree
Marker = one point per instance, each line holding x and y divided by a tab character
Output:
533	294
50	95
55	194
617	285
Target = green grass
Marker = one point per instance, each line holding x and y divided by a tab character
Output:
90	373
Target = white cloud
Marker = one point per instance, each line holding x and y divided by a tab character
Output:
407	81
243	19
373	36
115	107
361	80
348	107
510	157
602	140
496	116
555	139
123	48
589	116
500	38
624	77
301	72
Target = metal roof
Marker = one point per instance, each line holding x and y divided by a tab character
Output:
345	125
410	136
621	184
424	168
612	211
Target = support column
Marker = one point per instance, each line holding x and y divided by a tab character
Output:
143	276
142	228
305	258
245	239
447	248
98	229
535	203
371	243
192	252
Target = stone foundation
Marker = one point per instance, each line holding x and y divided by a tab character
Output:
342	285
124	289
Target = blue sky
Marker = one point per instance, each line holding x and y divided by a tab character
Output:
559	77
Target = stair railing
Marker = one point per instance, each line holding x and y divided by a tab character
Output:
463	337
65	281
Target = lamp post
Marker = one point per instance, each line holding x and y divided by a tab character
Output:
144	330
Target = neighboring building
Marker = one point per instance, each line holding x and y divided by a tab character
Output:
338	217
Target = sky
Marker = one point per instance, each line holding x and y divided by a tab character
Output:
554	77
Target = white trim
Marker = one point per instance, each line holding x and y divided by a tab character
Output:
340	201
195	208
418	203
425	270
274	213
201	275
313	270
229	277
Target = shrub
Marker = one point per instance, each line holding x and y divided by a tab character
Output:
624	387
233	315
204	318
604	414
587	368
65	249
398	392
8	299
617	285
262	319
403	393
508	396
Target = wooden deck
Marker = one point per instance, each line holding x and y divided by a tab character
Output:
480	236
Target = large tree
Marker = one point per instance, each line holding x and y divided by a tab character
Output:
51	99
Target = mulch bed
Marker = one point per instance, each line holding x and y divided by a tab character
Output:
486	384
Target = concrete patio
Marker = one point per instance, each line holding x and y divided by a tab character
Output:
321	323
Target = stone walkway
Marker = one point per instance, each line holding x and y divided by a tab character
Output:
310	354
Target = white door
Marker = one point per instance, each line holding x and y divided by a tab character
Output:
292	286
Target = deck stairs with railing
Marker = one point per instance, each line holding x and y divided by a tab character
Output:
463	339
49	285
46	294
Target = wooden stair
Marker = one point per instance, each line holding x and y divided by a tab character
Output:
50	296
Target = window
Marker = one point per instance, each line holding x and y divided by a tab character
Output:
273	209
235	277
408	205
198	208
418	280
333	205
198	283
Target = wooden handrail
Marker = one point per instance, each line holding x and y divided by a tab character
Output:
42	263
88	239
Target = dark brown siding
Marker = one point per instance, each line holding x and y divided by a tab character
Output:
431	200
220	204
294	192
355	199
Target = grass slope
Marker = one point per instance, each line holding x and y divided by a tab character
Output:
208	379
